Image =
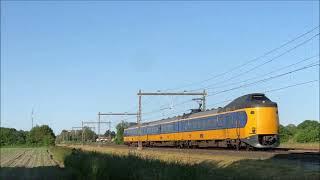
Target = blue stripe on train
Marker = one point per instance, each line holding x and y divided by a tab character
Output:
222	121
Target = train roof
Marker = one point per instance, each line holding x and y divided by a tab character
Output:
238	103
183	116
247	101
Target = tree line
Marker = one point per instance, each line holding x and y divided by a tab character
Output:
85	135
305	132
37	136
90	136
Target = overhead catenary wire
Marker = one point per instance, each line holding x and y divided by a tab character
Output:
276	70
293	85
267	91
260	65
247	62
243	64
245	85
264	80
263	74
266	62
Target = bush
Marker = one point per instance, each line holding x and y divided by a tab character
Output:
120	129
41	136
284	134
308	132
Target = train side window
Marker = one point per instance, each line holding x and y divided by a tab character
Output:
216	122
203	124
195	124
242	118
220	120
187	125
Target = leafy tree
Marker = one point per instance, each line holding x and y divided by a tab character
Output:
10	136
41	136
308	135
108	133
308	131
120	128
292	129
64	136
76	135
284	134
308	124
88	134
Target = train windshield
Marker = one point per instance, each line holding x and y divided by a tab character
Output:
259	97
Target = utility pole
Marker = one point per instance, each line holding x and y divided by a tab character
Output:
82	133
204	100
115	114
99	125
140	94
139	121
32	117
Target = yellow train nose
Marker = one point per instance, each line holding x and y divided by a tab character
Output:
267	120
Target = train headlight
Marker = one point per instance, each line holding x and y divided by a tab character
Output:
253	130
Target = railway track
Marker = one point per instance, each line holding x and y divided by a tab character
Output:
273	150
223	148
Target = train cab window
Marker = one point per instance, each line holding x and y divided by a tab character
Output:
260	97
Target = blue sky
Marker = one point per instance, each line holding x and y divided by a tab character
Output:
70	60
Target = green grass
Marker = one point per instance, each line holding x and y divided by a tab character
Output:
60	153
94	165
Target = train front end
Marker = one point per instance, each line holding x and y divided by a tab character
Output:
262	129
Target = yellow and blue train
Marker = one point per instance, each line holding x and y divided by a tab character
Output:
249	121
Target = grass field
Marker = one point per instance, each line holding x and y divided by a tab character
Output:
121	163
29	163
